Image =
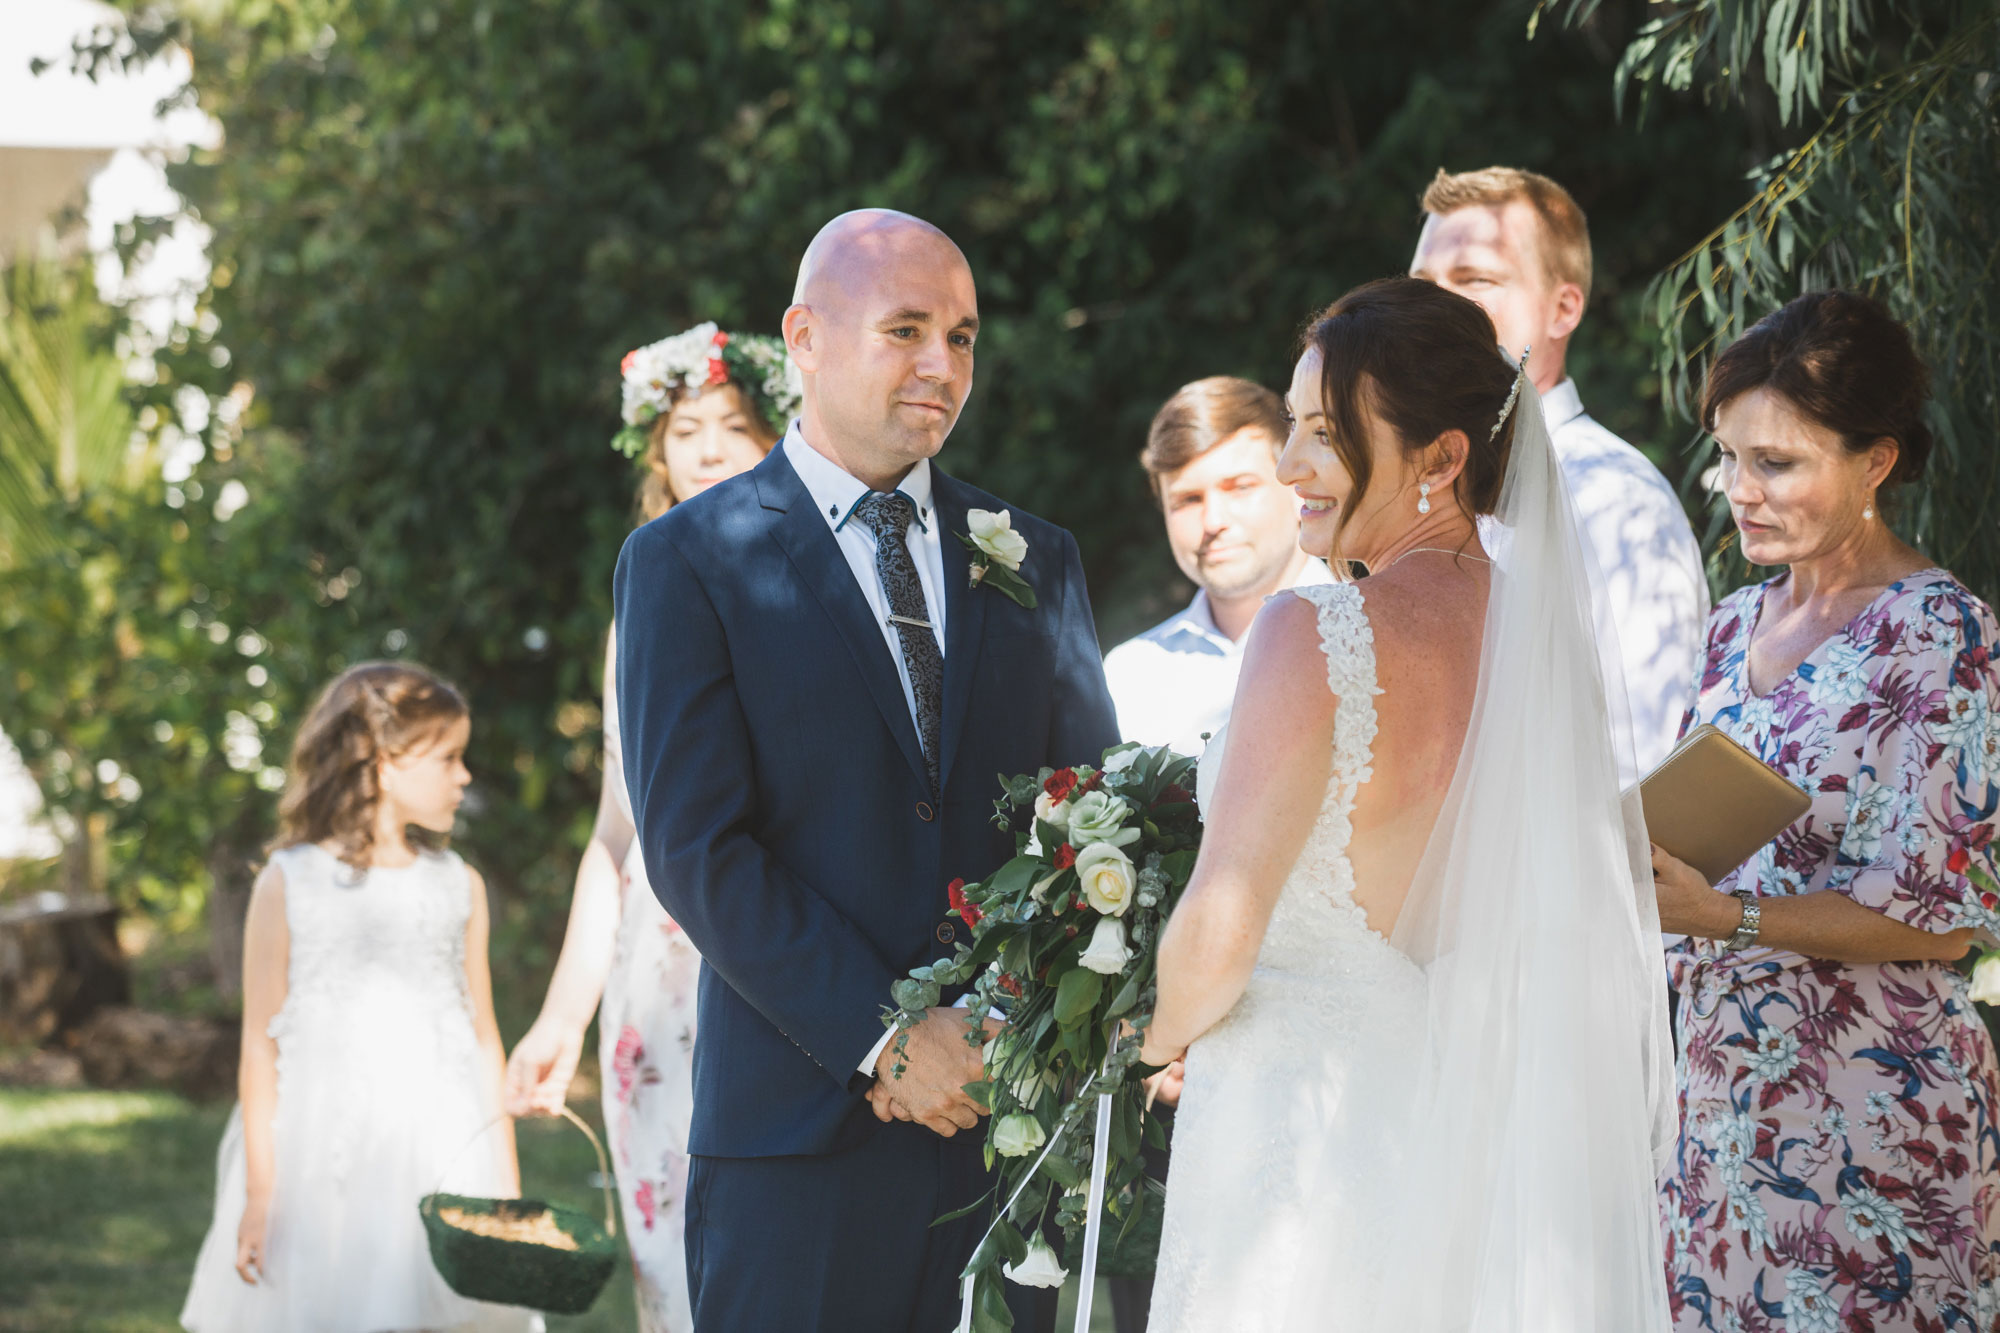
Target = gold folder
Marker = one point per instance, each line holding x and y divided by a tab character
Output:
1713	804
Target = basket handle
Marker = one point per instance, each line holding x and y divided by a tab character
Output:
603	1165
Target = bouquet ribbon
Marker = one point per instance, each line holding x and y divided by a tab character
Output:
1093	1228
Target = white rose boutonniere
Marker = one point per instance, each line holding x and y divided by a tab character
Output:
997	553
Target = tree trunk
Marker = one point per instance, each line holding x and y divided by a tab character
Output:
232	869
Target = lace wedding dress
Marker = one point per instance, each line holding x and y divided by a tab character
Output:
378	1094
1458	1128
1310	1075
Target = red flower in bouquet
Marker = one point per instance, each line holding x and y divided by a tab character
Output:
1060	784
1065	857
1011	984
625	366
1175	794
968	911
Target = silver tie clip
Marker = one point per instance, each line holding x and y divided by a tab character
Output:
906	620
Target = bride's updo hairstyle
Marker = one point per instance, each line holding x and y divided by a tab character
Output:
1427	361
370	712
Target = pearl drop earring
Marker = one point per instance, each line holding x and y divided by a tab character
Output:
1868	509
1424	498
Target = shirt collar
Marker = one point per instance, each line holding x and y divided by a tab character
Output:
1562	404
835	491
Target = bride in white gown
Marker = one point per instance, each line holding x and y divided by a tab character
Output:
1416	976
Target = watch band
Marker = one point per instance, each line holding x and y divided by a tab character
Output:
1753	920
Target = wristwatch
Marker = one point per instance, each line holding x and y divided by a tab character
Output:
1746	929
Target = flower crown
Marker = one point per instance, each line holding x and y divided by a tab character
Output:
701	357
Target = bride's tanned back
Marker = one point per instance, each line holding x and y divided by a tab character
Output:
1394	457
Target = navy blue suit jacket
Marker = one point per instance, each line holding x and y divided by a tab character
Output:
780	791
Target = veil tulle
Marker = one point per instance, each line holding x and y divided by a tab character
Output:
1543	1103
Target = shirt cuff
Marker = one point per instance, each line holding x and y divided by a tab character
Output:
875	1052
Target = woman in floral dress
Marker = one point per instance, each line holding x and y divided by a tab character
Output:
704	406
1838	1166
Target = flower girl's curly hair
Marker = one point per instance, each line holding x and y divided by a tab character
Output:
370	712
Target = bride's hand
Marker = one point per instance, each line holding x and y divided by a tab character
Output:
1151	1053
540	1069
1165	1086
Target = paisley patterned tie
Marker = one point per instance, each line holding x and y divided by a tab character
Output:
888	517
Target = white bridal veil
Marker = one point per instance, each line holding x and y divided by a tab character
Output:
1545	1099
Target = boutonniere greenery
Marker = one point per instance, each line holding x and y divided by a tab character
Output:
997	552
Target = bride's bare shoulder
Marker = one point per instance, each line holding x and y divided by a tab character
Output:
1284	658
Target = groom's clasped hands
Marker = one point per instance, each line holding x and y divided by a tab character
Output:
937	1064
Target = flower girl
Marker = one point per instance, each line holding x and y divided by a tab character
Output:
371	1060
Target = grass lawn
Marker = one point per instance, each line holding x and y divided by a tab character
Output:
105	1197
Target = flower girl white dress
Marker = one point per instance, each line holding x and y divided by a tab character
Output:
378	1093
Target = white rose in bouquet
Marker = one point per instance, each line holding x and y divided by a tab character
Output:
1108	952
1108	878
1099	817
1051	811
1029	1087
1040	1269
1986	979
994	534
1018	1134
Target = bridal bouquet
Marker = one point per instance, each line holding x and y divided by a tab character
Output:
1063	944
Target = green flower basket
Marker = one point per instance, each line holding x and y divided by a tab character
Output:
524	1251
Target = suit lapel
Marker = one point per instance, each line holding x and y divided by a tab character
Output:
964	617
822	566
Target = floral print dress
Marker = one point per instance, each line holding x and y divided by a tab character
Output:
645	1048
1838	1166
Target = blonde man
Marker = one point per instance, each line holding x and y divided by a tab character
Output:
1517	243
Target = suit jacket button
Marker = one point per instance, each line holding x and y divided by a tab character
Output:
945	933
924	811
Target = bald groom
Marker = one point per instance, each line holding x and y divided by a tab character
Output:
815	699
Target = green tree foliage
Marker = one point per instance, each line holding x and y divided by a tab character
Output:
1890	185
65	424
437	227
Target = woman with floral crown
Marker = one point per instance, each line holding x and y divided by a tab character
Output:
701	407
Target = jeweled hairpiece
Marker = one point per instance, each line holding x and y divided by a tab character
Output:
1520	374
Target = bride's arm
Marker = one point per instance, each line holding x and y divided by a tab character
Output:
1275	770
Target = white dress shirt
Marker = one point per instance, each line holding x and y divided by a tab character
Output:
835	492
1175	683
1655	594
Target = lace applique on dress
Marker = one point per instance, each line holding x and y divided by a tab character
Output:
1304	1077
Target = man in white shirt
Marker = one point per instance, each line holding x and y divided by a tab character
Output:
1517	243
1212	455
